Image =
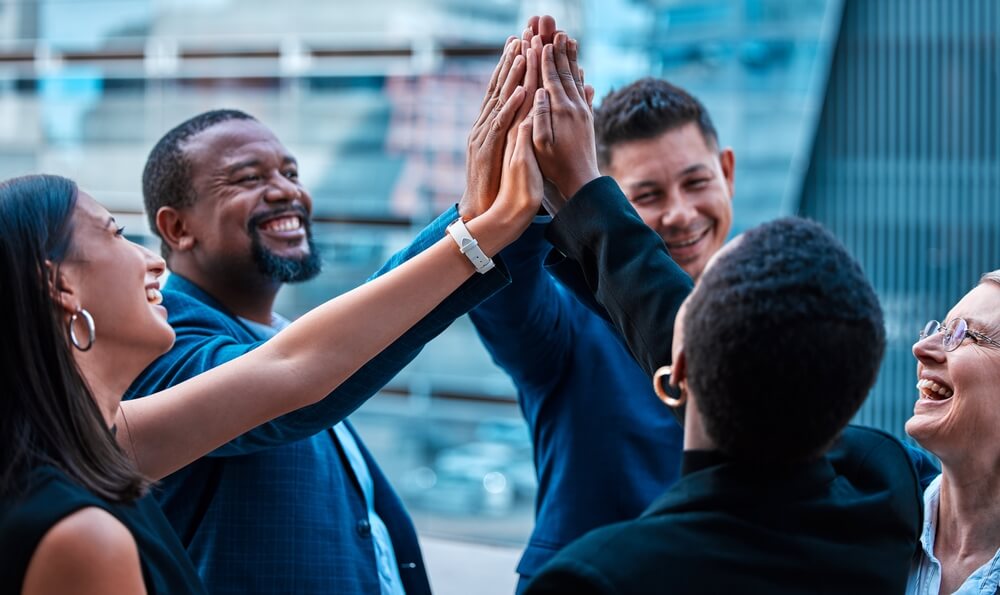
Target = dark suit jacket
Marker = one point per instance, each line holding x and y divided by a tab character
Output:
845	523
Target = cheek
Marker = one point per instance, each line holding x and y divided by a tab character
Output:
650	215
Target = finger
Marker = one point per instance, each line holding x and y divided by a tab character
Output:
508	63
491	91
500	125
547	28
588	91
572	54
537	45
491	88
514	78
550	76
504	87
566	78
541	130
530	81
533	25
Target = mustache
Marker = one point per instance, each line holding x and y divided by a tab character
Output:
259	218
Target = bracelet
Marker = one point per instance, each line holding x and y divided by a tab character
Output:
468	246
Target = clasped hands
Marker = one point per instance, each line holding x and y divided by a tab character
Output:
533	141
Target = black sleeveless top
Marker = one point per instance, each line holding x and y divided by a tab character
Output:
51	496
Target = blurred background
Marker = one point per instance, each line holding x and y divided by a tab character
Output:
878	118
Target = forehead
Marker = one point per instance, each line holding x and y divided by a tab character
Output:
980	308
89	210
231	142
669	153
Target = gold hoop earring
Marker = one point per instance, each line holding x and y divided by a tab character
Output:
661	392
89	320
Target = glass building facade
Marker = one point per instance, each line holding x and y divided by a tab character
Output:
375	100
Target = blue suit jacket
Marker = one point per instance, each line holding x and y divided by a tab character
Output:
604	445
278	509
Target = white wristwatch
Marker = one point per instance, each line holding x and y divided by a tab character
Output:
468	246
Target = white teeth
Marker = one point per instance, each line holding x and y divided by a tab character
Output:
691	242
932	390
153	296
283	224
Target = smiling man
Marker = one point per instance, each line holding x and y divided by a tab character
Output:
604	446
660	145
297	505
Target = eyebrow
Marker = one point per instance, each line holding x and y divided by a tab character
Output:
110	222
980	325
686	171
253	162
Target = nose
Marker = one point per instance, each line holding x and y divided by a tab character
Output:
929	350
678	212
155	265
280	188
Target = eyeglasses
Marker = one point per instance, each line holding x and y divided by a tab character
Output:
954	333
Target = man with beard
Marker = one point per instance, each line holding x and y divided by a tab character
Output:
297	505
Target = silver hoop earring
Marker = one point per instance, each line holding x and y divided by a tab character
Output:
81	313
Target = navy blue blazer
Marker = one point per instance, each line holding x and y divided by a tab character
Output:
604	446
278	509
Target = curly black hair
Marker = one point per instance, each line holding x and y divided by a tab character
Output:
645	109
783	338
166	178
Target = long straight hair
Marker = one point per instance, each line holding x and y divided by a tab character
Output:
48	415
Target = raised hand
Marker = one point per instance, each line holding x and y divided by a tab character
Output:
564	122
487	140
519	197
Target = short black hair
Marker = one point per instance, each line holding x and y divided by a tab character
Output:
783	337
166	178
645	109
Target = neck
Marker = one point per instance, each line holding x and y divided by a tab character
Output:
695	436
967	521
109	372
247	296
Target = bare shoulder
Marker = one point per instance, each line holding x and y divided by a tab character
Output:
89	551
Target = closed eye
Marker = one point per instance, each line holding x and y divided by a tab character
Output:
120	231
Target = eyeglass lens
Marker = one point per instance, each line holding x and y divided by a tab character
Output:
952	337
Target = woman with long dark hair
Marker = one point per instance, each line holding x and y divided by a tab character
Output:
83	320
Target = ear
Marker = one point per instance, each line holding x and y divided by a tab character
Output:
728	161
62	287
172	225
678	370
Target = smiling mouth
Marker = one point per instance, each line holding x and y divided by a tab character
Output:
688	242
285	223
154	296
933	391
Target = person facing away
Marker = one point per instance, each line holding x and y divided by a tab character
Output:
588	405
773	353
298	505
85	318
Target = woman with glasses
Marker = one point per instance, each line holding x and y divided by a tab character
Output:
957	418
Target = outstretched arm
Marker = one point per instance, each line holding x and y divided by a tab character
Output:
309	359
